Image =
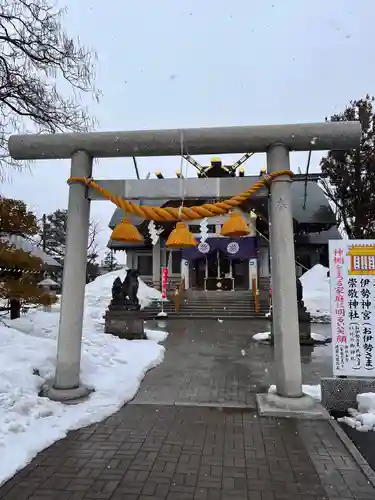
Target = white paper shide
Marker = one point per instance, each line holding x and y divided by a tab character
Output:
352	282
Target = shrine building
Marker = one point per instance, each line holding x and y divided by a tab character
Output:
222	263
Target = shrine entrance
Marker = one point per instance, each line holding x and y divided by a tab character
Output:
276	140
218	272
221	263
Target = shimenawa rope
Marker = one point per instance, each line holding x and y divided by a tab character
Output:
175	214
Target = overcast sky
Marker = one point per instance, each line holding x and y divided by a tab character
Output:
192	63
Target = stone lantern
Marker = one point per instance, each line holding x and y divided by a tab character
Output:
49	288
304	318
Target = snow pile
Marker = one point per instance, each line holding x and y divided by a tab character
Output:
264	336
362	419
114	367
316	293
314	391
99	292
162	314
156	335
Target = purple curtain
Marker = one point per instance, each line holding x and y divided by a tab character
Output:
233	248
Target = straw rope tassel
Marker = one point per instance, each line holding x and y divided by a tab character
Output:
235	226
126	232
181	236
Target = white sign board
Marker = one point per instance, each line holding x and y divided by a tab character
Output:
352	282
253	273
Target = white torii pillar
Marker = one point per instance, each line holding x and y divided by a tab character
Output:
289	401
66	385
283	276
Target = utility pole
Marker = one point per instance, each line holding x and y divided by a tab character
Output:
44	233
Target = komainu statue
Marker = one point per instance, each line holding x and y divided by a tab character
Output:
126	293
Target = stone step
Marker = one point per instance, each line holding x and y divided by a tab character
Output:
219	300
214	303
155	312
208	312
211	304
220	295
223	305
174	315
216	300
208	306
220	306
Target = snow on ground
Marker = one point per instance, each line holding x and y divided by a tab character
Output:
313	391
267	335
162	314
262	336
316	293
156	335
362	419
114	367
318	337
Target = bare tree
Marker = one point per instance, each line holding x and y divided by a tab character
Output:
349	176
92	247
36	57
52	237
52	233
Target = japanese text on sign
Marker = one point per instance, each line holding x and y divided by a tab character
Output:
352	282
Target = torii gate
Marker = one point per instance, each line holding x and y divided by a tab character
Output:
276	140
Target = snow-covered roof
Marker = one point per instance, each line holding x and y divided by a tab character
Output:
30	247
47	282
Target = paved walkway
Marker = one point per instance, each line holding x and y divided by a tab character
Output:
181	452
208	362
149	452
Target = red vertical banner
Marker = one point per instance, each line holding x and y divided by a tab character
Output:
164	281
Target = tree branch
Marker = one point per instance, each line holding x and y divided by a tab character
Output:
36	57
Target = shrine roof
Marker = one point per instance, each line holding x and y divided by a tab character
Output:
311	209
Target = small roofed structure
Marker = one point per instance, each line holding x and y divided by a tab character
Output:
50	289
48	282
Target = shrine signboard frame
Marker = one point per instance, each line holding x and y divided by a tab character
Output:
352	287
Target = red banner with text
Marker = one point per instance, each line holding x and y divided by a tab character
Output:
164	281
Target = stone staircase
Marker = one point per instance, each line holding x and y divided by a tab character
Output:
199	304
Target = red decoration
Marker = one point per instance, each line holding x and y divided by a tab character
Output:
164	281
